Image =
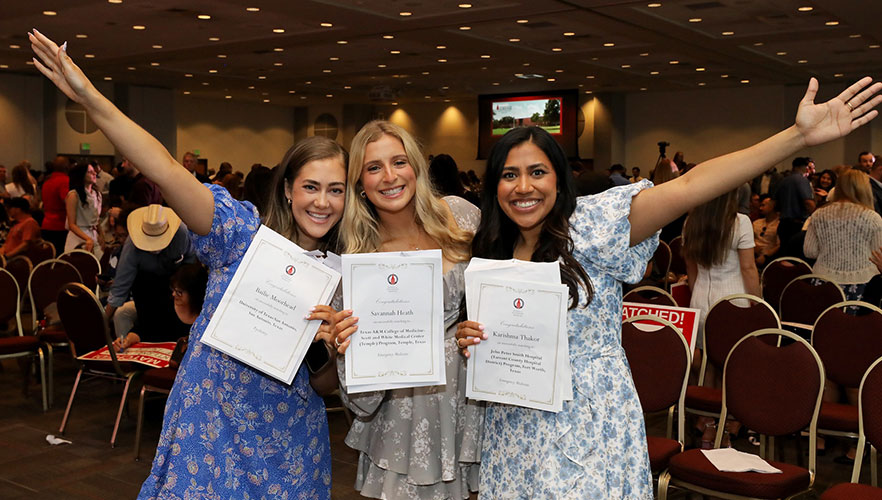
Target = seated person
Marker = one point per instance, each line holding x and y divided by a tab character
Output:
765	232
25	230
158	244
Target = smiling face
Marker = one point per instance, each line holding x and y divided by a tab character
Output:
527	189
317	195
388	179
91	176
825	181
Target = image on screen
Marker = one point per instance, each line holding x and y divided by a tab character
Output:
540	111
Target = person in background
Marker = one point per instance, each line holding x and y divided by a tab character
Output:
445	179
224	169
755	212
120	188
256	186
102	179
765	232
679	161
189	162
22	185
188	289
25	230
83	204
3	192
635	175
826	181
876	185
866	160
55	190
666	170
767	183
617	175
795	200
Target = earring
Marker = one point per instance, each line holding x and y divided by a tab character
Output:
362	194
288	200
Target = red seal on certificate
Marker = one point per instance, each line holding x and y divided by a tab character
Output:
518	303
290	270
392	279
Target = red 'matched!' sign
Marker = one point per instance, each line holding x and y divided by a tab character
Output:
684	318
152	354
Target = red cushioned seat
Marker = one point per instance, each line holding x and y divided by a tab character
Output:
838	417
693	467
704	398
162	378
660	451
53	335
851	491
12	345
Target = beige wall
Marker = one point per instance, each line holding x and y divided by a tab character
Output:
68	140
21	120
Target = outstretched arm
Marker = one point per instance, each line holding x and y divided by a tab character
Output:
190	199
815	124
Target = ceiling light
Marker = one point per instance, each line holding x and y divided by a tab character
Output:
485	56
139	27
188	75
588	92
550	79
695	20
558	71
326	71
782	53
609	44
346	87
82	35
802	61
514	40
806	9
303	97
213	39
292	91
381	65
4	66
266	100
831	23
874	46
204	17
445	88
14	46
251	87
758	44
264	93
405	14
838	75
388	37
114	1
701	84
157	46
442	60
653	72
107	78
329	95
89	56
278	49
724	76
307	82
728	33
699	69
465	28
205	84
212	71
643	88
626	66
654	5
131	68
644	54
50	13
526	64
569	33
186	92
556	49
342	42
228	97
29	63
856	35
252	9
261	77
465	6
326	25
277	64
673	62
745	81
152	64
278	30
333	58
441	47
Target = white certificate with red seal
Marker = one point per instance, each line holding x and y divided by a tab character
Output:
521	362
398	298
260	318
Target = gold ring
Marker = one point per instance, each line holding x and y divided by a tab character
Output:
850	107
458	344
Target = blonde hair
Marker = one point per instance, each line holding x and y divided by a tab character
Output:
359	228
854	186
665	170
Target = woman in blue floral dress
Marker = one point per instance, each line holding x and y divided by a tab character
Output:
230	431
596	446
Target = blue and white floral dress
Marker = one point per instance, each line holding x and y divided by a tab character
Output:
230	431
596	447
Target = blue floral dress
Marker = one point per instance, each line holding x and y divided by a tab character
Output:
230	431
596	447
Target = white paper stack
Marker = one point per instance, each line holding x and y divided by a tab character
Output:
732	460
398	298
518	301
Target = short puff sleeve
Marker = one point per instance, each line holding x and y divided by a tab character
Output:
232	229
601	233
466	215
744	234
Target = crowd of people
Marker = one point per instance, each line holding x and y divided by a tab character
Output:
230	431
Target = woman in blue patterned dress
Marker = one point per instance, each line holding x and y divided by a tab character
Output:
596	446
230	431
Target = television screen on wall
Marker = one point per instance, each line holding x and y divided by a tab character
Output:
555	112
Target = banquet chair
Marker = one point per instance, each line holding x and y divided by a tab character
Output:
41	250
870	428
87	264
774	390
650	295
86	326
727	321
19	345
678	263
848	344
778	273
660	362
661	260
160	381
20	268
2	260
805	298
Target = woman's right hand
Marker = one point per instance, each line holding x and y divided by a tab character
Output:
345	325
469	333
57	66
88	245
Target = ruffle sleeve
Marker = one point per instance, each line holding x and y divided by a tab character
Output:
601	233
232	229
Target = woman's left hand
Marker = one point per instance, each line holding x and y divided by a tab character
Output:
326	331
819	123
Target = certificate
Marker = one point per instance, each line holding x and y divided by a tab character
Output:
260	318
520	362
398	298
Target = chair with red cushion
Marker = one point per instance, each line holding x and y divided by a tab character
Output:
87	264
41	250
774	390
86	326
660	361
19	345
870	429
678	263
806	297
778	273
848	337
650	295
728	320
20	268
158	380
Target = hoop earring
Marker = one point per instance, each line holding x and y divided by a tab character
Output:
362	194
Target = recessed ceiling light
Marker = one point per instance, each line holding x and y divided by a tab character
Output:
252	9
806	9
838	75
609	44
188	75
14	46
558	71
745	81
514	40
333	58
346	87
654	5
395	52
874	46
221	56
724	76
699	69
303	97
89	56
4	66
465	6
213	39
329	95
626	66
114	1
342	42
278	30
728	33
278	49
326	71
556	49
758	44
569	33
50	13
855	35
445	88
156	46
496	83
588	92
695	20
307	82
701	84
522	21
292	91
131	68
485	56
228	97
264	93
781	53
551	79
388	37
326	25
186	92
465	28
802	61
653	72
266	100
82	35
107	78
381	65
442	60
139	27
405	14
204	17
277	64
261	77
251	87
644	54
29	63
205	84
673	62
526	64
441	47
643	88
212	71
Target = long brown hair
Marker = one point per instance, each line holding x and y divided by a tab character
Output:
707	234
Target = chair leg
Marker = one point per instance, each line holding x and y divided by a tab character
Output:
122	404
43	379
874	467
51	375
663	480
73	392
140	423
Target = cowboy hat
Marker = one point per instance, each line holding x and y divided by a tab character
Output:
152	228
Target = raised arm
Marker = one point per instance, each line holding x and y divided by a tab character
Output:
190	199
815	124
